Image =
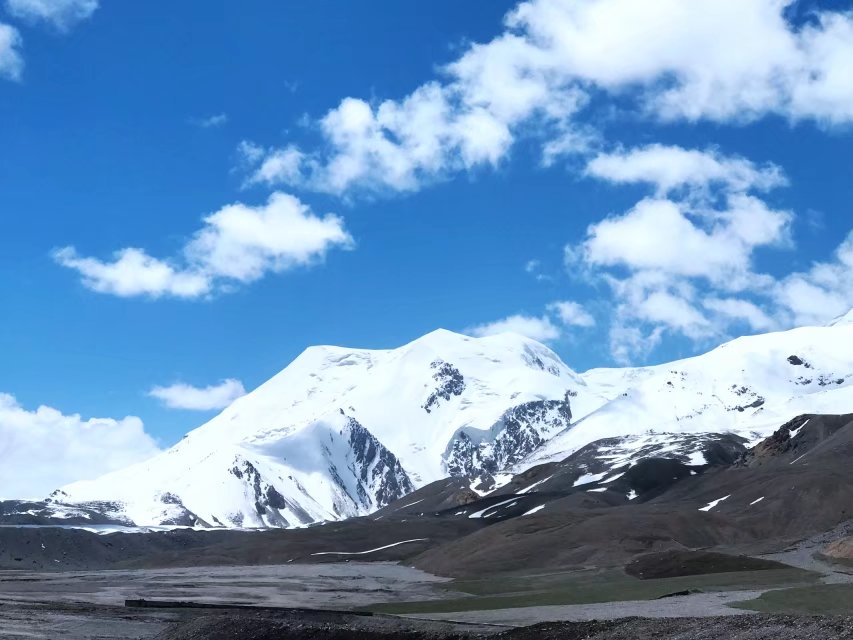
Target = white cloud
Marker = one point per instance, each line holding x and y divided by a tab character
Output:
532	266
683	261
250	153
238	243
132	272
210	122
648	303
44	449
674	312
11	62
546	328
673	167
823	292
571	314
184	396
541	329
61	14
724	60
743	310
242	242
393	146
676	238
629	342
276	166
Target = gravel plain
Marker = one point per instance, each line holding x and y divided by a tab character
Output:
85	605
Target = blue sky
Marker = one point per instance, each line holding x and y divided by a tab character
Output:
623	180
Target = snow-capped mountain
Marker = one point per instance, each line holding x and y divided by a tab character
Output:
749	386
343	432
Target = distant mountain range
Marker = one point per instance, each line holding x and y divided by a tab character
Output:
346	432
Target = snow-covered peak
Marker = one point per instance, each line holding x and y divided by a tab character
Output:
339	431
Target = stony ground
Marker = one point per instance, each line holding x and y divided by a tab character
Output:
102	623
738	628
729	628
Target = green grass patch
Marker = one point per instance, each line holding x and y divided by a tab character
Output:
585	587
821	599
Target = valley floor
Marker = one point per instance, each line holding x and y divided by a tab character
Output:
88	604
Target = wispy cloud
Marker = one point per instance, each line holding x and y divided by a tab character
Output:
210	122
11	61
60	14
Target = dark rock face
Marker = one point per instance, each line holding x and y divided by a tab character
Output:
269	503
53	511
759	402
523	426
831	437
275	499
185	517
450	383
518	433
612	458
438	496
462	456
724	451
776	445
379	471
653	476
747	394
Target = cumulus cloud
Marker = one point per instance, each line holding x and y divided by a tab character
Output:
184	396
721	60
536	328
61	14
676	238
672	167
132	272
11	62
571	314
237	244
550	326
44	449
682	261
273	166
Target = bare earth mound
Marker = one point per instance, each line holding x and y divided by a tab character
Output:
672	564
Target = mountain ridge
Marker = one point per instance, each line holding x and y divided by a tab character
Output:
343	432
